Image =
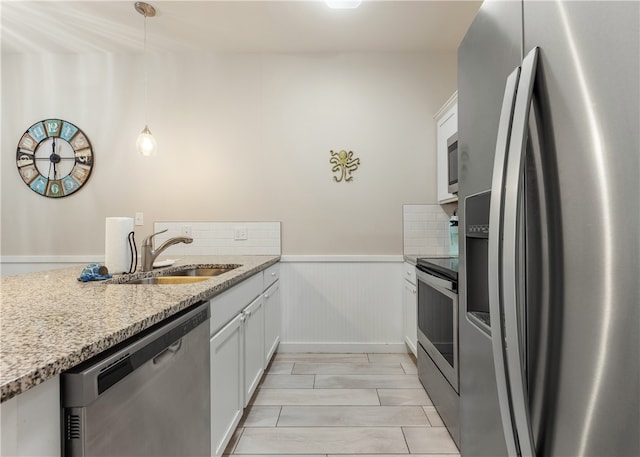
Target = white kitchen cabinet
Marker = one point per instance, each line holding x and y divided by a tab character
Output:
238	349
410	308
253	323
446	125
272	318
227	359
227	392
30	422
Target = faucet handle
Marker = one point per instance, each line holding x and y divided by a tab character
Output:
147	241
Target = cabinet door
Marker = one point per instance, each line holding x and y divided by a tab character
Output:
272	315
446	125
30	422
253	316
226	384
410	318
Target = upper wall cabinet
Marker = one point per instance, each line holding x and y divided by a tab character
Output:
446	125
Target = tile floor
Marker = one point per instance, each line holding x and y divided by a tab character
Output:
341	404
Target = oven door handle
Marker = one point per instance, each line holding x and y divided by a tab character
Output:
494	267
445	286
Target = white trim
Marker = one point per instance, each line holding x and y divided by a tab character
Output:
344	348
52	258
448	104
284	258
343	258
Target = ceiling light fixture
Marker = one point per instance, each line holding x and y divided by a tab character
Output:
343	4
146	144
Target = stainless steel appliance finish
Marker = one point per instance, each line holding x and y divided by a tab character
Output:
438	323
438	337
147	397
547	121
452	163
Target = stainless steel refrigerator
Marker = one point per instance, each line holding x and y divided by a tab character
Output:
548	119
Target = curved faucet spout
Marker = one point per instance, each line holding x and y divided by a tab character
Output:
149	254
171	242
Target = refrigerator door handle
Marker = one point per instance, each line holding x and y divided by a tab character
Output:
494	258
511	260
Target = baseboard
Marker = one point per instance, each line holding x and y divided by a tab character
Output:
343	348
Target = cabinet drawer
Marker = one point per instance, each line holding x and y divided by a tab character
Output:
410	272
271	275
225	306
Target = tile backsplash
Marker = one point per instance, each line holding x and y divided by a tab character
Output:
426	229
221	238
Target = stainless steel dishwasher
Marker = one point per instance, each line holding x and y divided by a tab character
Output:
148	396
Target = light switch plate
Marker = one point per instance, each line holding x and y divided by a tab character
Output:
139	219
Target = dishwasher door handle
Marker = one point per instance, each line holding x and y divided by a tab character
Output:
168	352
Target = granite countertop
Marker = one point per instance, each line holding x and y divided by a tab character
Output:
50	321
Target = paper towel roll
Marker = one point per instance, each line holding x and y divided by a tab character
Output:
117	253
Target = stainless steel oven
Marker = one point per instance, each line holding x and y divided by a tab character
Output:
438	318
438	337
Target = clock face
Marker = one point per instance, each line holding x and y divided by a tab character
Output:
54	158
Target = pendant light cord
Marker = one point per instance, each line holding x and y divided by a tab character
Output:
146	74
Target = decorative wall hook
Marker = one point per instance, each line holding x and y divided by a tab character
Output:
343	163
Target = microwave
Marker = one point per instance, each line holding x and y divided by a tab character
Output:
452	163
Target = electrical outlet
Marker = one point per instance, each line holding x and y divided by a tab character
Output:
241	233
139	219
185	230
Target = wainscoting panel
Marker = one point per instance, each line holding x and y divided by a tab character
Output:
17	265
342	304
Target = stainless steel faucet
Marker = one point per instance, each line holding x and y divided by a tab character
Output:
149	254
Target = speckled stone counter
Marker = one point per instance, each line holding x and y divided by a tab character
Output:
50	321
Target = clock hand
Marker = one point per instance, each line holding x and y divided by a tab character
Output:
53	156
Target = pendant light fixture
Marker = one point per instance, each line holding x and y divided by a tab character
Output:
146	144
343	4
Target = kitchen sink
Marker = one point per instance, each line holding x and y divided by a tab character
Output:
188	275
169	280
197	272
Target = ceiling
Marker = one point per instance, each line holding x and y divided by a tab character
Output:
290	26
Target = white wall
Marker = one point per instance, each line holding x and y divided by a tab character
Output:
241	137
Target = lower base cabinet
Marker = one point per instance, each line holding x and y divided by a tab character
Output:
227	399
272	317
30	422
410	308
410	318
241	348
253	324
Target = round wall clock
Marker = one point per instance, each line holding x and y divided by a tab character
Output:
54	158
